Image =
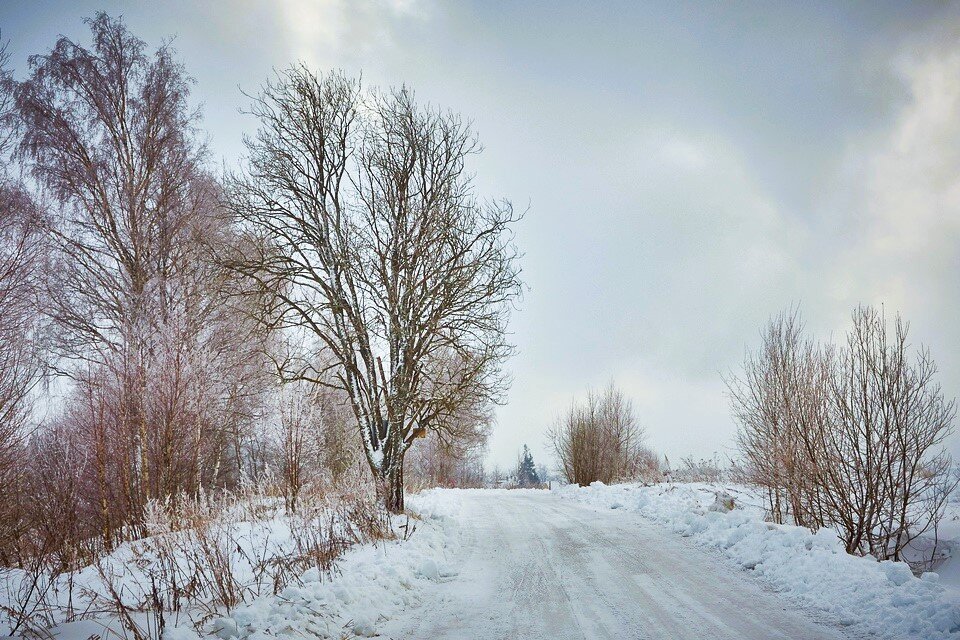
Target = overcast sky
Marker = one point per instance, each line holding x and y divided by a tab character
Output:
689	171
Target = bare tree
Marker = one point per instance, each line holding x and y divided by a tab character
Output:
781	395
168	372
374	244
108	132
600	439
495	478
889	476
21	258
453	456
298	436
850	438
20	362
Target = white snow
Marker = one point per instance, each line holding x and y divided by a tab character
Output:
883	598
948	546
371	582
534	566
598	562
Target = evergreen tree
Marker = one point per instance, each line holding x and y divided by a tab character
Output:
527	475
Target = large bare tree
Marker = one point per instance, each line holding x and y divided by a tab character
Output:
108	132
373	242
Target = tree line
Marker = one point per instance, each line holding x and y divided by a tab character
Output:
168	329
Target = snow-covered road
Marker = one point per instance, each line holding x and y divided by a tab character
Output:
534	566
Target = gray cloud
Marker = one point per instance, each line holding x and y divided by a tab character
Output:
690	170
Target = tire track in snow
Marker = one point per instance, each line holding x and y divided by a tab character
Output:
539	567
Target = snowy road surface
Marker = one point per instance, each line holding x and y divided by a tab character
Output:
538	567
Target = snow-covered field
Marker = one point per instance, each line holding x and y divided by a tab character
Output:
882	598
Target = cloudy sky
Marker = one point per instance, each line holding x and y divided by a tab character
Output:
689	170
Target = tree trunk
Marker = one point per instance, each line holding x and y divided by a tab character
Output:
391	489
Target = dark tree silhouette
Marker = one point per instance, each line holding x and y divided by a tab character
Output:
527	475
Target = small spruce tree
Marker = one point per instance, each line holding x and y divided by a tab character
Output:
527	475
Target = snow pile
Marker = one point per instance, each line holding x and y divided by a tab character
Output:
373	583
883	598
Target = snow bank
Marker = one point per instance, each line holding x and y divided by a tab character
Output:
372	584
883	598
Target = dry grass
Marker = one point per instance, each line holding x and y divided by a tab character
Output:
203	558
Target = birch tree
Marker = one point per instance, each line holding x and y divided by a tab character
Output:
21	258
140	325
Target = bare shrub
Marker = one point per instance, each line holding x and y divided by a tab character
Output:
786	396
600	439
888	476
648	468
206	556
850	438
29	603
316	546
